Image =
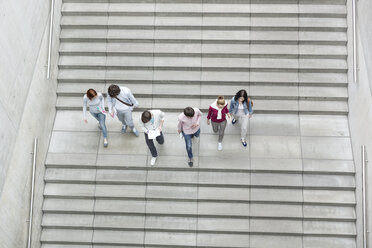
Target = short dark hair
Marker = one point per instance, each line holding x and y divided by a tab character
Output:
91	93
189	112
113	90
146	116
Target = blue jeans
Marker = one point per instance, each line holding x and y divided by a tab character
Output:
188	142
101	118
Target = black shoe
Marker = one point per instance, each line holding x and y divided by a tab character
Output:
191	162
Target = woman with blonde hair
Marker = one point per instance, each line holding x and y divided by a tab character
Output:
96	104
217	113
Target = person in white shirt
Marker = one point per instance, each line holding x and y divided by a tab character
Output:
122	101
96	104
152	123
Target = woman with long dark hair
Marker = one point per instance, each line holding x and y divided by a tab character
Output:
241	109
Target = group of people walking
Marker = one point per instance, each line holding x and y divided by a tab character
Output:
121	102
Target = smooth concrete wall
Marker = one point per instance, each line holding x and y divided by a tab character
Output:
27	104
360	108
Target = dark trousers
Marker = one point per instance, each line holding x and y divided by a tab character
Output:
151	145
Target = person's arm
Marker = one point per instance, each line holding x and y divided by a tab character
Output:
210	112
102	99
85	101
132	99
162	118
227	112
109	104
198	118
231	104
250	104
179	126
143	127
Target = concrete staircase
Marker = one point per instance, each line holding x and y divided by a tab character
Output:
294	186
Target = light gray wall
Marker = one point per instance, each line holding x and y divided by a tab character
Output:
27	107
360	105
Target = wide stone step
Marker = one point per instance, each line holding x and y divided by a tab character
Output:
201	179
206	23
261	106
187	224
202	50
262	9
208	77
188	192
207	36
203	63
172	164
206	91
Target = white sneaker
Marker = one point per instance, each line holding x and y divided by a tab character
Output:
153	160
219	146
135	132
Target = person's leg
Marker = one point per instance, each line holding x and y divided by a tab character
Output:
121	117
215	126
197	133
102	123
244	127
95	116
128	119
234	119
151	146
221	133
160	138
188	144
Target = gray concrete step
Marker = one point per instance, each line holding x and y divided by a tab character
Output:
191	22
203	50
209	36
261	106
208	77
78	9
203	64
202	179
206	91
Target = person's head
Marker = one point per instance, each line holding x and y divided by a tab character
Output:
221	102
189	112
146	116
91	93
113	90
241	96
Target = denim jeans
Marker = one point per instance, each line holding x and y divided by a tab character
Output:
188	142
101	118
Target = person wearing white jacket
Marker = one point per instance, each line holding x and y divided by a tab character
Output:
122	101
96	104
152	124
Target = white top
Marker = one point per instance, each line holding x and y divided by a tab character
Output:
126	96
241	106
154	123
96	105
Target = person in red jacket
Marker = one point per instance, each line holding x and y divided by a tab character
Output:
217	113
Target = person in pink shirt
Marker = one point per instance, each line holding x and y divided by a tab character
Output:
217	113
189	125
